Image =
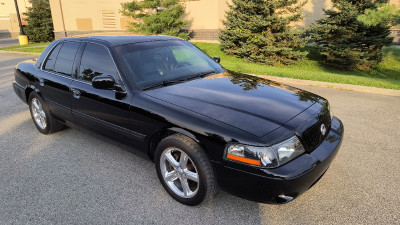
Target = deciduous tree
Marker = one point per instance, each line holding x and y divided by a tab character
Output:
157	17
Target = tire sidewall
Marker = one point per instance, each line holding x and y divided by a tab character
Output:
45	109
202	191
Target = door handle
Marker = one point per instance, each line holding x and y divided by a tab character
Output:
76	93
41	81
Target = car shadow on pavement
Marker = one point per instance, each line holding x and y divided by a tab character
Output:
144	191
97	180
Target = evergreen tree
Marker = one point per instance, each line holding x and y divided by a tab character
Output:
40	23
260	31
347	43
157	17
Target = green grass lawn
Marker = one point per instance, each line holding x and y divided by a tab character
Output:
387	75
32	48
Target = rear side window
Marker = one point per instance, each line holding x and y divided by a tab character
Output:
52	58
62	58
96	60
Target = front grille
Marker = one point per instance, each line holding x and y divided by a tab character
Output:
312	137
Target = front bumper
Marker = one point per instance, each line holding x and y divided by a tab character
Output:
283	184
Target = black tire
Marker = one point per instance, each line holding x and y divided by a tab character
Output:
52	125
198	161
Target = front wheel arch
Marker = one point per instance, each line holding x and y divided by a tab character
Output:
160	135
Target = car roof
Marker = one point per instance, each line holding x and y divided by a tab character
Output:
114	41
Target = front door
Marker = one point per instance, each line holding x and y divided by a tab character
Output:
95	109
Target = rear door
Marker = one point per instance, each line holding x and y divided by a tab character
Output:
100	110
55	78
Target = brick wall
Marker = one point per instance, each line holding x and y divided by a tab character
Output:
211	35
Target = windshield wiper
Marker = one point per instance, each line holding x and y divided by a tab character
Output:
203	74
169	82
165	83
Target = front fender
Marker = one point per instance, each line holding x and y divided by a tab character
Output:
184	132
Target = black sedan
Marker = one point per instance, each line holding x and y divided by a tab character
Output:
201	124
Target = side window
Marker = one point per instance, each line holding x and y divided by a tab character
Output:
51	60
65	58
96	60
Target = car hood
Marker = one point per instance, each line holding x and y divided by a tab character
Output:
253	104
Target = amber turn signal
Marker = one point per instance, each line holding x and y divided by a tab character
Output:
244	160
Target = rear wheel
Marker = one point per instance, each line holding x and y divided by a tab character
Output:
184	170
41	115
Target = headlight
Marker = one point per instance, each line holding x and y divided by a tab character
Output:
269	157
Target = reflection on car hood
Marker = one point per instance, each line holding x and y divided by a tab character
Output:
253	104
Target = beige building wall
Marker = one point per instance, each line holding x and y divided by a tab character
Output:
9	26
75	17
396	30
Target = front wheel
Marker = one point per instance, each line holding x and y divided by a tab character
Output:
184	170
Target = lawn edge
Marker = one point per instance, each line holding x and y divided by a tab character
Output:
346	87
21	53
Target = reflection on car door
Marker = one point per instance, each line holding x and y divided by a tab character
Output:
95	109
55	78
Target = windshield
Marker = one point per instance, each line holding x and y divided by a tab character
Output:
159	62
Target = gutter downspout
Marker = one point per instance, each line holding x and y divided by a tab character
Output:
62	18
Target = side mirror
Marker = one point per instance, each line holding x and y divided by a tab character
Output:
105	82
217	59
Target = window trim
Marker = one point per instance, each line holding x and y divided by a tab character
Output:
48	55
79	54
112	59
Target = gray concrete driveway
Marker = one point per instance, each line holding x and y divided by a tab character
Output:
73	177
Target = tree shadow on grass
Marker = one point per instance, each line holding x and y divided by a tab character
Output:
392	51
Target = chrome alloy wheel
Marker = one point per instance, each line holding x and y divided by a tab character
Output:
38	113
179	172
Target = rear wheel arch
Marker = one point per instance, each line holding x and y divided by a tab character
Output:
29	90
48	123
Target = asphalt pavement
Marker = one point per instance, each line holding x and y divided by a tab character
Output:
8	42
76	177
